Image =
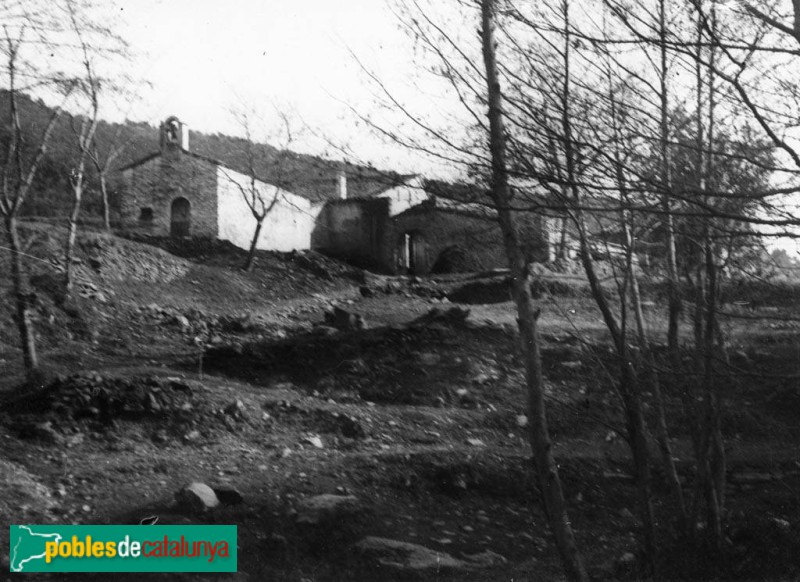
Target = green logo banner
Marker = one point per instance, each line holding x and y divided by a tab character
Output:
122	548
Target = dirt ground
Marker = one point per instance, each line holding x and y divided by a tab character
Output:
173	366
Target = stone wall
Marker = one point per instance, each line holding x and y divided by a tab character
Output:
156	183
362	232
472	243
354	230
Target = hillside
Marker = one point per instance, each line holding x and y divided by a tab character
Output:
310	176
335	439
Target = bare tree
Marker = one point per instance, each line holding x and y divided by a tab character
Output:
260	196
546	470
103	158
96	42
89	86
18	174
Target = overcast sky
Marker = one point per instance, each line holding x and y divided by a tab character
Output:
204	57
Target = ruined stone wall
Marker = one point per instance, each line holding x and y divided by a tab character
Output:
156	183
475	240
354	230
458	241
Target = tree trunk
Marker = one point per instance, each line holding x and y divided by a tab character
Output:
251	254
637	434
662	431
22	298
630	392
546	468
104	199
715	448
675	305
72	234
629	388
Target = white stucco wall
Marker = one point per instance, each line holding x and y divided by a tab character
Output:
287	227
403	197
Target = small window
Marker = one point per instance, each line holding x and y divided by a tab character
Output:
146	215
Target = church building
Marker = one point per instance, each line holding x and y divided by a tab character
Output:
176	192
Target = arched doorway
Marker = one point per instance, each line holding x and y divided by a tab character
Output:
181	219
411	253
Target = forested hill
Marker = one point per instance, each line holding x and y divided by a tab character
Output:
307	175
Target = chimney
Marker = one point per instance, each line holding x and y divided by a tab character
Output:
343	182
184	137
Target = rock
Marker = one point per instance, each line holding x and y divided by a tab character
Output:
351	427
327	509
192	436
522	420
324	330
197	497
781	523
75	439
240	323
366	291
450	317
476	443
182	321
236	409
482	379
343	320
152	403
41	431
429	358
314	441
405	558
228	495
356	366
626	559
486	559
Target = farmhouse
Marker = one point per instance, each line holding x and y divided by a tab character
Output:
419	226
383	221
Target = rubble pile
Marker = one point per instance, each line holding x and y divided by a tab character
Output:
206	327
71	400
405	286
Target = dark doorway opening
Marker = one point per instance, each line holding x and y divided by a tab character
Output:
412	253
180	223
146	215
